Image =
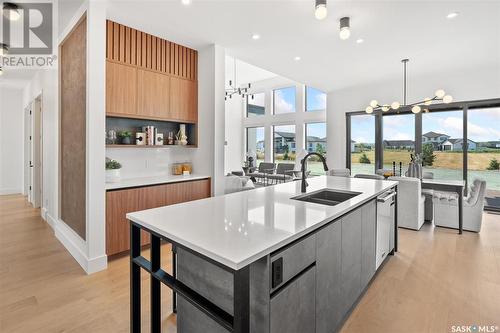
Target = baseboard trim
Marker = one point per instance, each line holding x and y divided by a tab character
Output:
7	191
77	247
43	213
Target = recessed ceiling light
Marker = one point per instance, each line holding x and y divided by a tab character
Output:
186	2
452	15
255	36
297	58
360	40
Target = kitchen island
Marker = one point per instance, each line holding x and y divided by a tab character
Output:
261	260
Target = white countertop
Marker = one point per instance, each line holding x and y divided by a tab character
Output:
239	228
152	180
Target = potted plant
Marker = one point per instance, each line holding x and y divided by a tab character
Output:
125	137
112	170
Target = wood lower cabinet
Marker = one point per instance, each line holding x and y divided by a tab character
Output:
121	202
121	89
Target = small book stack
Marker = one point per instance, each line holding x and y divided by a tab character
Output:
151	133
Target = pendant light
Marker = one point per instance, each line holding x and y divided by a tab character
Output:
439	95
320	10
234	89
345	28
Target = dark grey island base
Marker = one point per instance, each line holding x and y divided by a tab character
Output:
309	285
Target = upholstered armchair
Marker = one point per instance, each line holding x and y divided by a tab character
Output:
410	203
233	183
446	208
340	172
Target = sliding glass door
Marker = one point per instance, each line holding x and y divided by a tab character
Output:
362	144
398	141
442	144
483	132
448	143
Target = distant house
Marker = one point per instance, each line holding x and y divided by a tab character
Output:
457	144
492	144
353	146
283	140
436	139
260	146
314	141
399	144
255	110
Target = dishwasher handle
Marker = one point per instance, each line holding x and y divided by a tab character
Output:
387	197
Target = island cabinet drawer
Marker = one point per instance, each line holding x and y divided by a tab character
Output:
288	262
292	308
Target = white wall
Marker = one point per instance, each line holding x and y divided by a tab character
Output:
209	156
11	140
480	83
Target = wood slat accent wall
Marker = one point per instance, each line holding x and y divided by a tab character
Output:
133	47
73	73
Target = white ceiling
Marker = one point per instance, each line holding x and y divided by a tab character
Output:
391	30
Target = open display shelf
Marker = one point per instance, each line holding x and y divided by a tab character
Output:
135	125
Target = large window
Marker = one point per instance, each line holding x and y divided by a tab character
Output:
362	144
442	142
256	105
483	129
316	142
284	100
284	144
399	141
255	144
315	100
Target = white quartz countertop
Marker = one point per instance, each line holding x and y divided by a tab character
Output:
239	228
152	180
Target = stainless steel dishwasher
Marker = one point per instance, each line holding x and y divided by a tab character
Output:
385	225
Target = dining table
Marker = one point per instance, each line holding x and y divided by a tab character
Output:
456	186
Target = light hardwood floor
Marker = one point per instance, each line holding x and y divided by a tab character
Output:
438	279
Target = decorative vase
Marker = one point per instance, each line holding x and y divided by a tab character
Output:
112	175
183	139
126	140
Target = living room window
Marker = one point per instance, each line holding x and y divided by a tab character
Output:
255	142
315	100
256	105
284	144
284	100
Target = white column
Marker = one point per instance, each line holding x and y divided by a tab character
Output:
96	127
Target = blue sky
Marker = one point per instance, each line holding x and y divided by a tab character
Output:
483	125
284	100
316	129
315	99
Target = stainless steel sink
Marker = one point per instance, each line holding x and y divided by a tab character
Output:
327	197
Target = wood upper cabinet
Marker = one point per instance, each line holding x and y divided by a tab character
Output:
121	89
121	202
184	99
153	94
149	77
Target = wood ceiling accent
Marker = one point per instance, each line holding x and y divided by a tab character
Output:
130	46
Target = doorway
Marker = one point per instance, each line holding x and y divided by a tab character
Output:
33	152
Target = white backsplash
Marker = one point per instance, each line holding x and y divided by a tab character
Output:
146	162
